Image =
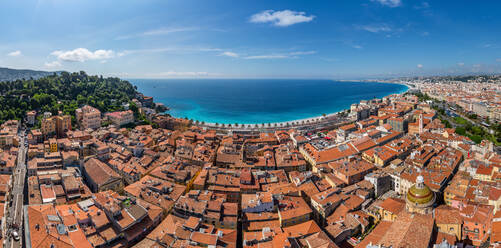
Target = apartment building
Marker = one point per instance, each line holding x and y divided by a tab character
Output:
55	125
121	118
88	117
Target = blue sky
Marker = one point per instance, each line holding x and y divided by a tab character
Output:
252	39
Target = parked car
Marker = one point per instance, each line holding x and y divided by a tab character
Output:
15	236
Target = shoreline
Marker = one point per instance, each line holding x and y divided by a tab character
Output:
314	120
272	125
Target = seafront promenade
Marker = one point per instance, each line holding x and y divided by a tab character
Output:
313	123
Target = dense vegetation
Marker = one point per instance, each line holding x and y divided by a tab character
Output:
65	92
7	74
477	133
422	97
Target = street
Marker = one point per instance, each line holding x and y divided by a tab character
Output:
14	215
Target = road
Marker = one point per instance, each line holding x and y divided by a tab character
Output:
478	123
14	215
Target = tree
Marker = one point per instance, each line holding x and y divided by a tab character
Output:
65	93
473	116
460	131
446	123
476	138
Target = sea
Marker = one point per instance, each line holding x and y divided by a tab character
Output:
255	101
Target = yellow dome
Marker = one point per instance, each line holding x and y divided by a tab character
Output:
420	195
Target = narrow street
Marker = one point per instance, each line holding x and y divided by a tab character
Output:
14	215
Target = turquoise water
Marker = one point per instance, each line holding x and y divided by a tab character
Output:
259	100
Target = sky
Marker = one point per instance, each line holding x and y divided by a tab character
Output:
342	39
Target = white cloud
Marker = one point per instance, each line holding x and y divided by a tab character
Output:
375	28
83	54
229	54
460	64
154	32
14	53
357	46
53	64
169	49
302	53
281	55
419	66
389	3
206	49
281	18
269	56
187	74
163	31
498	60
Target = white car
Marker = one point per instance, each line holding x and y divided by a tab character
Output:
15	236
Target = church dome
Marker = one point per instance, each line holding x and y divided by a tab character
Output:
419	196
